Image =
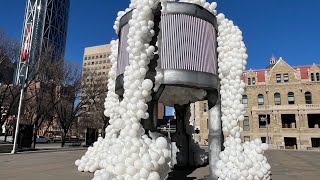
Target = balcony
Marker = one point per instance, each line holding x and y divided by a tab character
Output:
287	107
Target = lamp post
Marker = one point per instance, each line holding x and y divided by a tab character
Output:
265	119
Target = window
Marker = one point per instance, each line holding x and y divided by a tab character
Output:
288	120
92	57
278	78
84	64
97	57
245	100
246	125
100	62
85	58
104	61
89	58
264	140
260	99
204	107
277	99
308	97
312	76
100	56
104	67
108	61
92	62
253	81
246	138
249	81
286	77
263	120
290	98
104	56
318	76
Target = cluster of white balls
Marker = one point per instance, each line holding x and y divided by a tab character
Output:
238	161
203	3
126	152
181	95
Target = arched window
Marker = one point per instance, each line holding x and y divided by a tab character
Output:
312	76
245	100
249	81
318	76
253	81
308	97
290	98
277	99
260	99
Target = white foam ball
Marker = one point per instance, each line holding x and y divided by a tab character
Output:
161	143
144	173
119	169
154	176
131	170
147	84
138	164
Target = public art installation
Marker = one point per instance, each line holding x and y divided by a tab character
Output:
176	53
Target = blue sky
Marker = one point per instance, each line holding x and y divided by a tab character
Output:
287	28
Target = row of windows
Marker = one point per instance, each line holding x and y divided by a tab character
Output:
277	98
96	56
97	62
285	78
252	81
95	68
315	77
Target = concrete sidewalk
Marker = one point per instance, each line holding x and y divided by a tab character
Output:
286	165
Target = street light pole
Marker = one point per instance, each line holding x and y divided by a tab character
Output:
267	130
265	119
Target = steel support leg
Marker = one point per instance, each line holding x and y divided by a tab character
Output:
215	139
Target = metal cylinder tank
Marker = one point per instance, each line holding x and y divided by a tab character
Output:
187	47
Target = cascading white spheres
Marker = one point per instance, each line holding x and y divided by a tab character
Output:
126	152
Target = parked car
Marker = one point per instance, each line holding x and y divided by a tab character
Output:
57	138
42	139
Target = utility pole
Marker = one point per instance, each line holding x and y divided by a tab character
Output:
22	71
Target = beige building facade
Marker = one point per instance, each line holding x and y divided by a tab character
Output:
282	103
95	70
96	60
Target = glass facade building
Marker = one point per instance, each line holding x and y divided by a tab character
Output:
49	21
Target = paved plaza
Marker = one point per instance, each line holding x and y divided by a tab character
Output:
59	165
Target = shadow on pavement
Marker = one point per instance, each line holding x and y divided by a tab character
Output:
183	173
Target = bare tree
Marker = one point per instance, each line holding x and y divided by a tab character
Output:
9	94
69	105
94	87
41	92
9	50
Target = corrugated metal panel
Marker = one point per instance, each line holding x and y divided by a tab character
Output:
188	43
123	55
